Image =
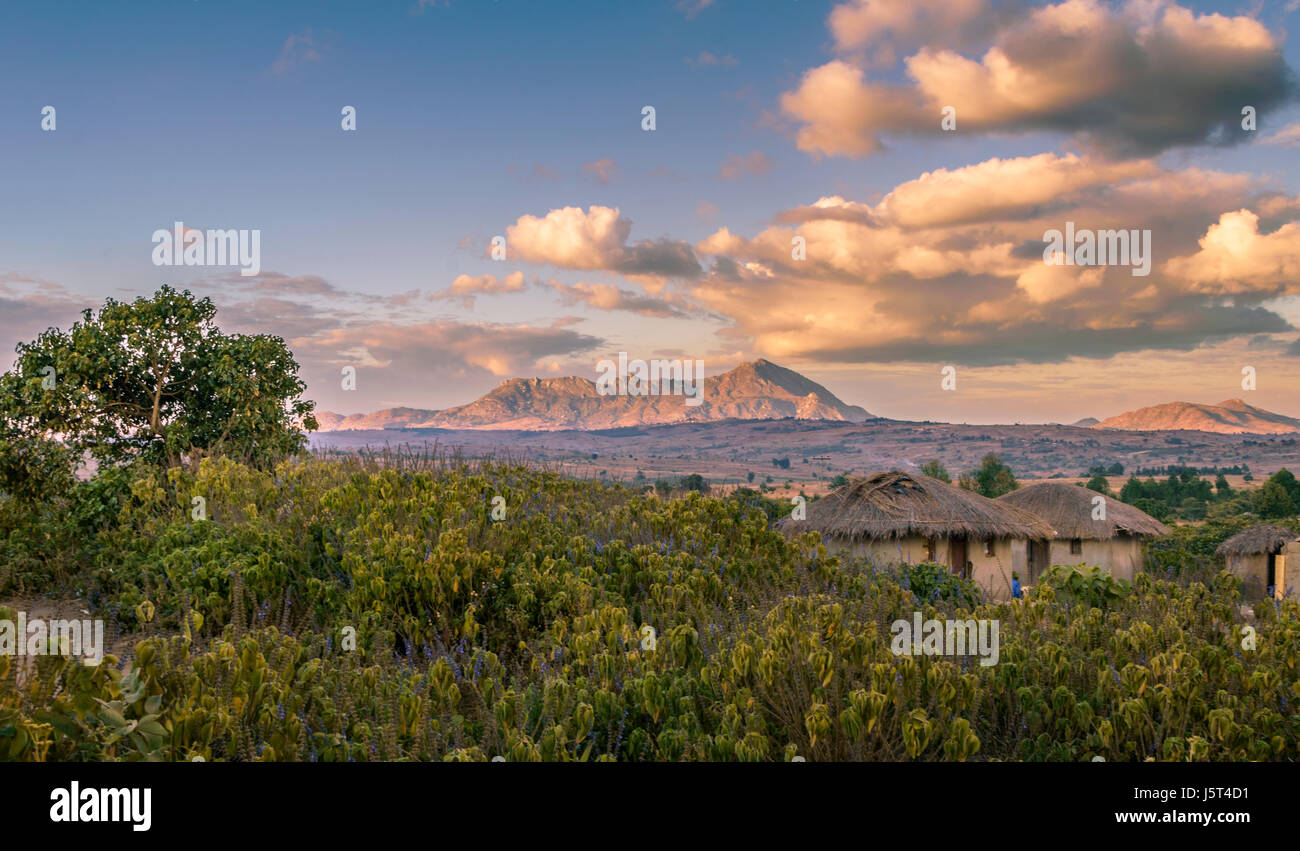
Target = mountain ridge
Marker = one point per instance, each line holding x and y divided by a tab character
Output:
1231	416
756	390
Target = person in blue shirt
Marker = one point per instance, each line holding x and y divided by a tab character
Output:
1015	585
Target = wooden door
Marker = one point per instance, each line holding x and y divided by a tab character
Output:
957	556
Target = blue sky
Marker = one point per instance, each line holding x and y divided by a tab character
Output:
475	113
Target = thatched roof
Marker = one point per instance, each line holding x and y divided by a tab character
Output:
1068	509
898	505
1257	540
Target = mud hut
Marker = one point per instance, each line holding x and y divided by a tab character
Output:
898	517
1259	555
1107	534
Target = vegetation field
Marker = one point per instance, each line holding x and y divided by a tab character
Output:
524	637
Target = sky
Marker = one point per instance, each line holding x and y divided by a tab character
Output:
800	197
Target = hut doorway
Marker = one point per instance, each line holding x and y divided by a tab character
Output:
1273	559
1038	554
957	556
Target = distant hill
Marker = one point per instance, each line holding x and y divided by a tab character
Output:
1231	417
387	418
760	390
1086	422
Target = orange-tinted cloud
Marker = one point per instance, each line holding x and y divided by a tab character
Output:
466	287
597	239
950	266
1235	258
1131	80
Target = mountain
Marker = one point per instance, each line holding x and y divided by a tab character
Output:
1231	417
760	390
1086	422
387	418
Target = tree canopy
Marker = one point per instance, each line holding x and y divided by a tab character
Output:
934	469
992	479
153	379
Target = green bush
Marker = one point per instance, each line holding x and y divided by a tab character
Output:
1087	585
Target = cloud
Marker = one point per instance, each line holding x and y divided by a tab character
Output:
1128	81
604	170
466	287
610	297
1000	189
596	239
691	8
709	60
905	24
950	265
539	171
502	350
755	163
1288	136
1236	258
298	49
278	282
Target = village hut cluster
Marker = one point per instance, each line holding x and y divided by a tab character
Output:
897	517
903	517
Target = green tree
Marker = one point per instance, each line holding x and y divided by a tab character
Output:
1155	507
1099	484
1132	491
992	479
934	469
1221	486
1271	501
695	482
155	379
1287	480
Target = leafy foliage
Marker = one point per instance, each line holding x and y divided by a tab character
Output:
935	469
1086	585
522	636
992	479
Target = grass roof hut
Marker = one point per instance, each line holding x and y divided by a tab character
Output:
1085	533
1260	555
898	517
